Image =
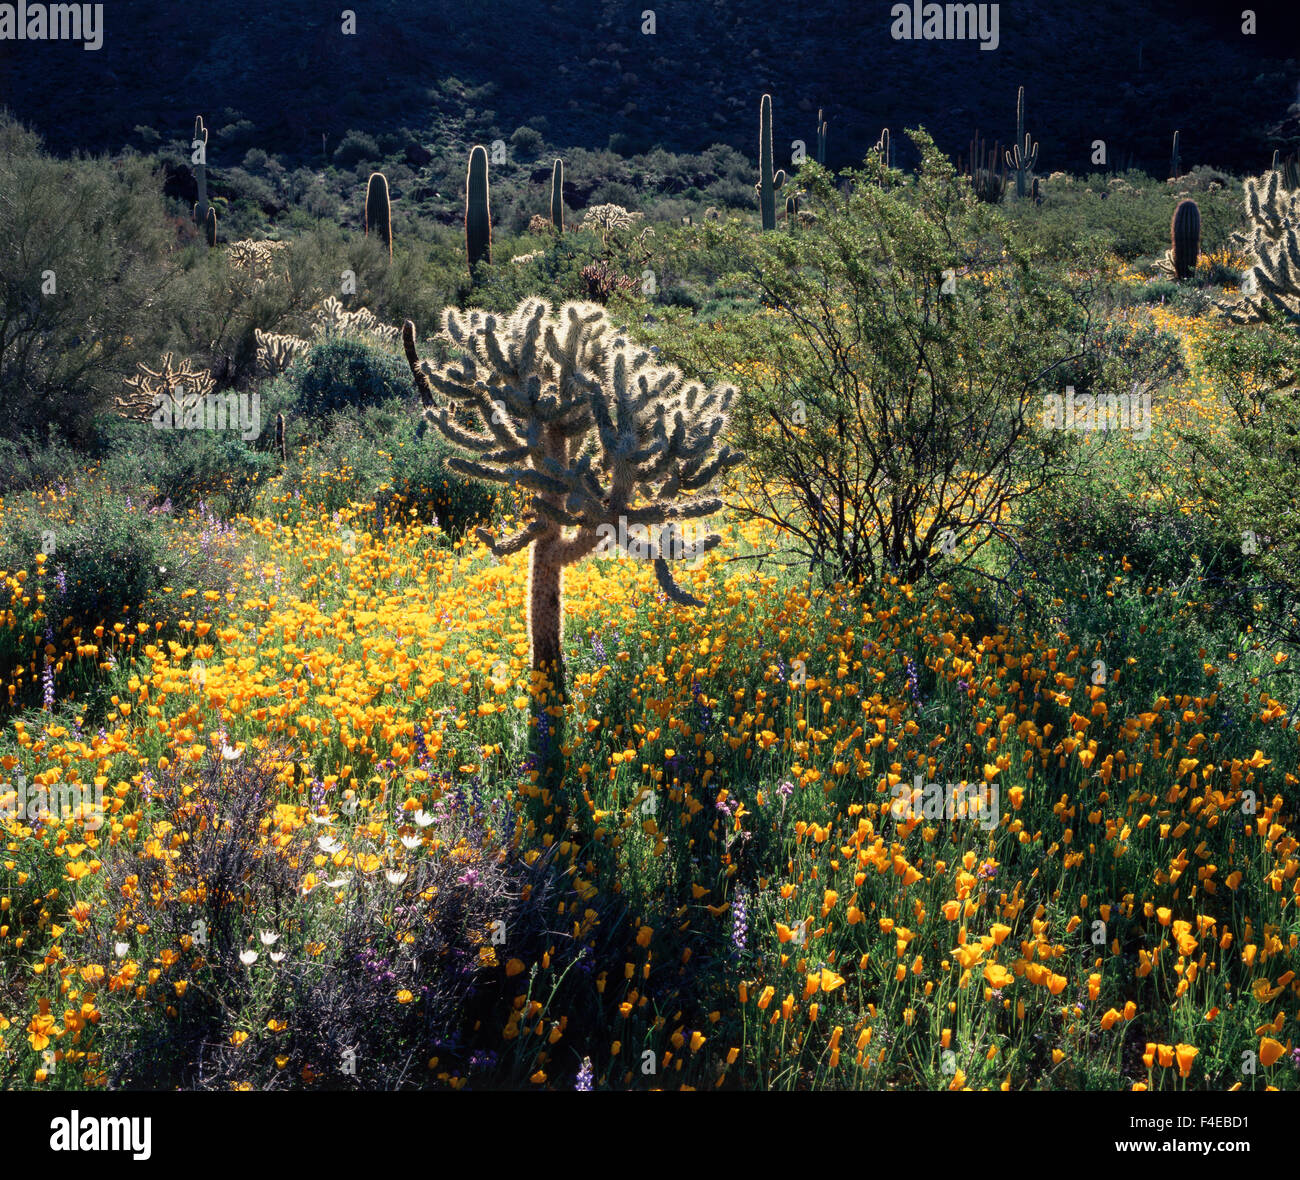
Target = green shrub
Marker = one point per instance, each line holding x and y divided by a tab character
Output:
340	372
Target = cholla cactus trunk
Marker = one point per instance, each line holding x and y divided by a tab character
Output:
557	196
1185	230
768	181
823	130
279	438
379	212
478	210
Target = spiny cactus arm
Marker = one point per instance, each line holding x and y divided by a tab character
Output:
671	588
560	516
662	513
421	381
521	540
578	546
723	461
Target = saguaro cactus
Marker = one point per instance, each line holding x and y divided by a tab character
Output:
201	169
607	441
557	196
1024	156
1175	161
768	182
478	210
823	129
210	227
1185	230
379	211
885	148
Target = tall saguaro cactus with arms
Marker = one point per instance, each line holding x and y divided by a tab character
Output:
768	180
1024	155
565	406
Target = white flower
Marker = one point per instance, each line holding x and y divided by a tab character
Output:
248	958
337	883
409	842
322	819
394	878
120	949
423	818
328	844
229	753
268	937
276	956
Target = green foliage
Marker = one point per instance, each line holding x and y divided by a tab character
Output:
872	446
341	372
88	292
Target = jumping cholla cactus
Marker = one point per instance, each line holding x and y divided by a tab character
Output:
146	386
1024	156
333	319
1270	288
276	352
606	219
605	439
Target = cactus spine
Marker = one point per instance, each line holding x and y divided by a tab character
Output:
768	182
379	212
200	147
1185	230
478	211
1024	156
1175	161
210	227
823	129
557	196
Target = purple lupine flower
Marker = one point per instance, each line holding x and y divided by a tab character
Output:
739	921
47	682
913	681
786	789
586	1075
61	580
599	648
